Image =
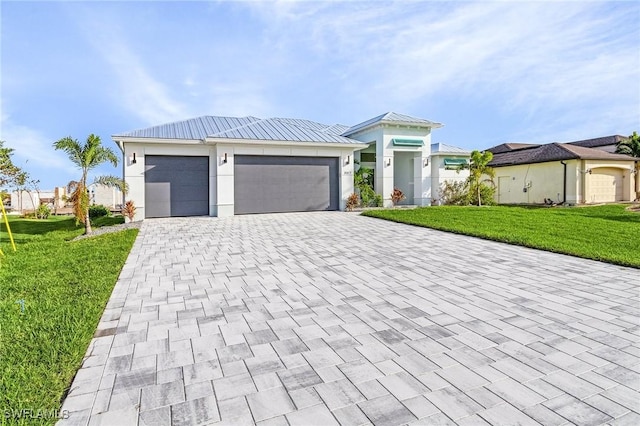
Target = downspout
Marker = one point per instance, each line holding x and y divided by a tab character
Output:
564	183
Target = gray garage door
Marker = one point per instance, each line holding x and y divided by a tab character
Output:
176	186
265	184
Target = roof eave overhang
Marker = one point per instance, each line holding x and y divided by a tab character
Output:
127	139
354	146
381	123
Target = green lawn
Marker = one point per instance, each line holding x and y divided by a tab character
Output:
64	287
608	233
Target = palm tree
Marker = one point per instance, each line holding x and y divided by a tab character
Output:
478	168
86	157
631	146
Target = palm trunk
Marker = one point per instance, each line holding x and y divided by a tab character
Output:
87	224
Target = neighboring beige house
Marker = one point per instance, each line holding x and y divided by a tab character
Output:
562	172
445	166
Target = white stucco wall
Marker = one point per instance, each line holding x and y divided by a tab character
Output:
439	173
382	135
221	174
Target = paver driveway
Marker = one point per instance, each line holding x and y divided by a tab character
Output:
325	318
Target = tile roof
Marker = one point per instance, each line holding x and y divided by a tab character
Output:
506	147
597	142
281	129
552	152
392	118
440	148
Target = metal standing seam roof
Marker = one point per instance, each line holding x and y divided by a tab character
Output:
441	148
392	118
195	128
281	129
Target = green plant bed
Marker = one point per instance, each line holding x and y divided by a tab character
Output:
607	233
53	295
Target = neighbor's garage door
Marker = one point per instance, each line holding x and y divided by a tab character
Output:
606	185
265	184
176	186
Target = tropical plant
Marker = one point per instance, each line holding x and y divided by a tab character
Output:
629	146
352	201
363	181
455	193
43	211
98	210
397	196
478	168
87	157
129	210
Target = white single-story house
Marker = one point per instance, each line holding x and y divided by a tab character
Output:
222	166
569	173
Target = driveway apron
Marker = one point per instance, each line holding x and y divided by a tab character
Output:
335	318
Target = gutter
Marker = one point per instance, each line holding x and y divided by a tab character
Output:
564	182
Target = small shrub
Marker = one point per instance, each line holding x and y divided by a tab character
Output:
43	212
486	195
353	201
129	210
98	211
397	196
454	193
369	197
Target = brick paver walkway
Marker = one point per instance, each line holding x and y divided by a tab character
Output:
327	318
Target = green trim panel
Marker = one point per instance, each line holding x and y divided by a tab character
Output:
407	142
455	162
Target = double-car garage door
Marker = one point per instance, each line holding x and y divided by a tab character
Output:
179	185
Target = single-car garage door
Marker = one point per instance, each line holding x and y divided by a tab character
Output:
606	185
176	186
266	184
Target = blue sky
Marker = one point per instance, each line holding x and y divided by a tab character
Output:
492	72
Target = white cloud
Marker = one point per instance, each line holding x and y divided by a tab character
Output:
562	63
30	146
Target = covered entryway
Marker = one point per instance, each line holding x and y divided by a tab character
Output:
403	172
176	186
606	184
270	184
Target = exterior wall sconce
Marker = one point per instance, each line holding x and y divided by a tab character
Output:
133	159
348	159
425	163
388	162
224	159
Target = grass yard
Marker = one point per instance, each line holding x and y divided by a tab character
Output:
52	294
608	233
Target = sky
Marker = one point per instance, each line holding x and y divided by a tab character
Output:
491	72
